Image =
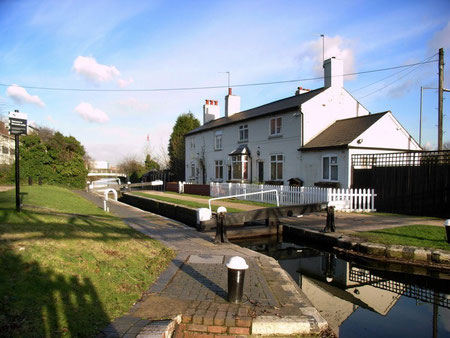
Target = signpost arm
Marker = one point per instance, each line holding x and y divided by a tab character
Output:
17	173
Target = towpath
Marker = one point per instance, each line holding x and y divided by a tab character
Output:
194	288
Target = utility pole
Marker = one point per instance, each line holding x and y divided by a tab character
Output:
440	97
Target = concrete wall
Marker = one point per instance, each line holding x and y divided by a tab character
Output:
182	214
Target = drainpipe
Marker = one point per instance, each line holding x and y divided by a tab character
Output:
302	137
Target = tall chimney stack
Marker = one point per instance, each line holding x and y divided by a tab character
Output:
333	73
211	111
232	104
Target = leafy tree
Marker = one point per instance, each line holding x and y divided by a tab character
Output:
150	164
53	158
184	124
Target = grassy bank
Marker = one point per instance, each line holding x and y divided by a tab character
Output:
66	267
426	236
191	204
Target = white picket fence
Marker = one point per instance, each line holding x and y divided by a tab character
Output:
360	200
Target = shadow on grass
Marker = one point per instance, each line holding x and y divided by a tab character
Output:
39	302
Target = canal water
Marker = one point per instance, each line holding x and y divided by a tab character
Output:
362	299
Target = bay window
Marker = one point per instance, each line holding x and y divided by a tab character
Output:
239	167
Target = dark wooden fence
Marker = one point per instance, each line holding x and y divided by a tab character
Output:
416	183
154	175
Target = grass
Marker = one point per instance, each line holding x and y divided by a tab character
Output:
232	200
427	236
66	267
191	204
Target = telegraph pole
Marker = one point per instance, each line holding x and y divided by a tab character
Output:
440	97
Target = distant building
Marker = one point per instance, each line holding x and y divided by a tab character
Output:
7	145
310	136
100	165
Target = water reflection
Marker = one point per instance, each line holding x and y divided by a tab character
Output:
357	299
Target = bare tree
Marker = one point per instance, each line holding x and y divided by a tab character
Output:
133	168
163	157
447	145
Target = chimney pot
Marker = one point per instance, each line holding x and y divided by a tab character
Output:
230	92
216	103
206	101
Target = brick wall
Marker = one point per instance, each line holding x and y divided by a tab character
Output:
172	186
209	320
197	189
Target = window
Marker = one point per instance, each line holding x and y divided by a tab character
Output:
276	167
330	168
275	126
219	169
218	140
5	150
192	169
243	132
192	143
239	167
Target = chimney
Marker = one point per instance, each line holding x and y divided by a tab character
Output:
333	73
301	90
211	111
232	104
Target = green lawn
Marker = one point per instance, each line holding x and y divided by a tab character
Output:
426	236
233	200
66	267
190	204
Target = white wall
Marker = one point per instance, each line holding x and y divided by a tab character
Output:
394	136
321	111
258	139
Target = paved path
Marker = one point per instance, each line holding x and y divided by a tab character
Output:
244	207
194	288
6	187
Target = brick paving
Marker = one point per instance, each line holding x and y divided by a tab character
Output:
193	289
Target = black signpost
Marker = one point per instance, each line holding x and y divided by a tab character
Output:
17	126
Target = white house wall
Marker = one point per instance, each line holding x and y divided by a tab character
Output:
258	139
327	107
386	133
310	166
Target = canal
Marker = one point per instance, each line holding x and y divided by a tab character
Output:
361	298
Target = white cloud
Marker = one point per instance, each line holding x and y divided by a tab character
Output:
89	68
20	95
334	46
91	114
441	39
123	83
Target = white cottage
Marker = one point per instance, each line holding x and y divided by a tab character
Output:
310	136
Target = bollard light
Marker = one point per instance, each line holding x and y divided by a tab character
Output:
236	273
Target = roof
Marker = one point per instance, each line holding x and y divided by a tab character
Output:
343	132
241	150
267	109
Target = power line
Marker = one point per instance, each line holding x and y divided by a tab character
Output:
398	79
387	77
213	87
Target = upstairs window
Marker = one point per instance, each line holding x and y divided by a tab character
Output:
330	168
275	126
218	140
243	132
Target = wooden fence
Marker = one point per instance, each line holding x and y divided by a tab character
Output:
416	183
344	199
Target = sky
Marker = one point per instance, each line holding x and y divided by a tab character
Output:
128	46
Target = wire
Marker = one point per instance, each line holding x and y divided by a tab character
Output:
401	77
385	78
211	87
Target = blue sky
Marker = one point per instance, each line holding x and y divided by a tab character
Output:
169	44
